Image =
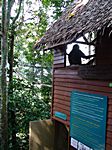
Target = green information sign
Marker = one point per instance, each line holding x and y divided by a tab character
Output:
88	119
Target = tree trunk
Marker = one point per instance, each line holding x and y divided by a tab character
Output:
10	92
6	10
11	60
4	96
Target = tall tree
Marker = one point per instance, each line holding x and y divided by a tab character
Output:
11	61
6	12
4	60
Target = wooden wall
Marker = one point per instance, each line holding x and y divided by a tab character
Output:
66	80
104	47
59	59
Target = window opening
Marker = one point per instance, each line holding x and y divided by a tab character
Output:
86	49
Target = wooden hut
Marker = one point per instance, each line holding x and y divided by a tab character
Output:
94	17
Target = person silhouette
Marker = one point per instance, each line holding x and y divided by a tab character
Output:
76	54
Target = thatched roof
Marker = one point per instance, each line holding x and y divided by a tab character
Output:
76	20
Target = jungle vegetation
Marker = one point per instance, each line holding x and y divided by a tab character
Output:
26	73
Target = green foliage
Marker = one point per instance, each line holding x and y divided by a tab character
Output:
28	106
0	2
31	96
57	5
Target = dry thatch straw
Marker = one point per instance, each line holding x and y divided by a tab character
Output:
76	20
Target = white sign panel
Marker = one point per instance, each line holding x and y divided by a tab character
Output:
78	145
74	143
83	147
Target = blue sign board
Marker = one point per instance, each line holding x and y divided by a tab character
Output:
60	115
88	119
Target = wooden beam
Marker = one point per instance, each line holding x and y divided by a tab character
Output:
85	38
81	42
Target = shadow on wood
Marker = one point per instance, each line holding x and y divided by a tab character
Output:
47	135
41	135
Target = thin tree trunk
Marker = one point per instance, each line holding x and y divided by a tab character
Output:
6	10
4	96
11	60
10	92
